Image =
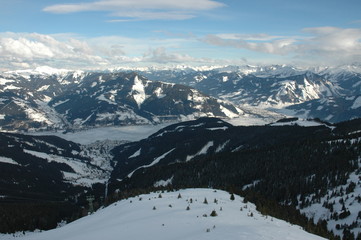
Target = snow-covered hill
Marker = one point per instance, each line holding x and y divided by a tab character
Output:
180	215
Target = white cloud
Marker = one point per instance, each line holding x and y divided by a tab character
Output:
160	55
249	37
331	40
322	44
30	50
140	9
253	43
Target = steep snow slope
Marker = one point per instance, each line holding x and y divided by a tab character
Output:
165	216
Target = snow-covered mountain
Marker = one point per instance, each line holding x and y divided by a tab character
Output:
128	98
278	86
78	99
175	215
331	109
59	99
288	167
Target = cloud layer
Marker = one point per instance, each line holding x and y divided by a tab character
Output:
323	44
140	9
30	50
314	46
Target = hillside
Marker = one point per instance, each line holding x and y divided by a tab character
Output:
281	167
165	216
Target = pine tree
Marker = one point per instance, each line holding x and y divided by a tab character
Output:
232	197
214	213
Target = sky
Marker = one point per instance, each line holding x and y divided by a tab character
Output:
100	34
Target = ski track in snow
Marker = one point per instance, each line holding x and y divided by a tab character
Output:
203	151
155	161
8	160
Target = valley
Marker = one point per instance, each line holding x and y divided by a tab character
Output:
283	138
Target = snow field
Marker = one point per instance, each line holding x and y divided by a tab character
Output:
165	216
125	133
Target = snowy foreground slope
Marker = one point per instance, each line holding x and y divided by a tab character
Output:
165	216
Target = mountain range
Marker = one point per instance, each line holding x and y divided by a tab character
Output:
305	172
331	94
79	99
47	98
303	168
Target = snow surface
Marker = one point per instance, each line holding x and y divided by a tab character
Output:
163	183
136	154
42	70
227	112
7	160
299	122
164	216
218	128
356	103
222	146
138	91
155	161
203	151
84	175
125	133
318	211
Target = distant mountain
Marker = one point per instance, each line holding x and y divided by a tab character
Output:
332	109
277	87
80	99
24	97
128	98
61	99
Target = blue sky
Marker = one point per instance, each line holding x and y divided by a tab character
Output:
90	34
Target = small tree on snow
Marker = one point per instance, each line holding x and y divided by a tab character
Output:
214	213
232	197
205	201
179	196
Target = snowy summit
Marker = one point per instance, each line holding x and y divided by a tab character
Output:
175	215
